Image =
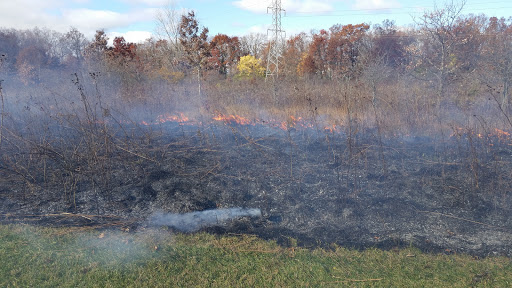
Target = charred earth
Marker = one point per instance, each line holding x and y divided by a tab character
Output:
448	194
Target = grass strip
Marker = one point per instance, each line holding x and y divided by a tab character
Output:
63	257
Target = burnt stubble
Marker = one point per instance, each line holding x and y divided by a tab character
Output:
317	186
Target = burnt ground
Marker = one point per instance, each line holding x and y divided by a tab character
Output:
452	194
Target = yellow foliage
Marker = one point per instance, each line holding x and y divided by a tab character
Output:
302	64
250	66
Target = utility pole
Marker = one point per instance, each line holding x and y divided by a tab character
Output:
274	52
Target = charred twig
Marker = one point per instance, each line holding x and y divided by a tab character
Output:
136	154
31	180
210	171
251	141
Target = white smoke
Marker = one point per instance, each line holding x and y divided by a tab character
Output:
190	222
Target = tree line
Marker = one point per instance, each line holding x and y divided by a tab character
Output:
449	53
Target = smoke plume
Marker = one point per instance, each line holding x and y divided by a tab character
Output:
190	222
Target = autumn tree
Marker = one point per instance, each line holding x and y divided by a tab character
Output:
195	44
225	53
95	52
250	67
123	56
124	60
334	52
342	47
468	32
122	49
315	61
390	44
295	48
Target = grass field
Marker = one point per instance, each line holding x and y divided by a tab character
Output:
58	257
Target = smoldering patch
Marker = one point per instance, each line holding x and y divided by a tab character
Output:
194	221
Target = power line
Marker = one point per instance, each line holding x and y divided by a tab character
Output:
420	9
348	13
394	10
397	8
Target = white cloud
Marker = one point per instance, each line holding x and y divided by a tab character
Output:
376	4
291	6
91	19
251	5
59	16
88	19
25	13
309	6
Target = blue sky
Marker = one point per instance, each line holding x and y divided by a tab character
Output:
135	19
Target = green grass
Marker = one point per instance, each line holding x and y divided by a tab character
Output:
43	257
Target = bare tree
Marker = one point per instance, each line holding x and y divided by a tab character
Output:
76	43
253	44
439	44
96	50
168	21
195	43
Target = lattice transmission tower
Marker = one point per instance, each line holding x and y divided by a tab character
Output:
277	40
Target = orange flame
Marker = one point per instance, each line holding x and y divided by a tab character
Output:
295	122
331	128
233	119
172	118
501	134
